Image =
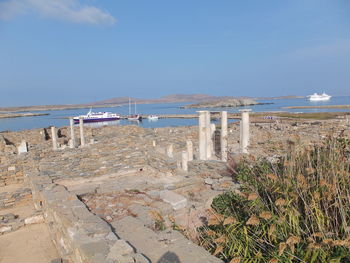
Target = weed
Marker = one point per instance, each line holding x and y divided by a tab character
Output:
296	210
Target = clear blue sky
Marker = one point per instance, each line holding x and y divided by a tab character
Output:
73	51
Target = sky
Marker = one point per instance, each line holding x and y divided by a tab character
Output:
80	51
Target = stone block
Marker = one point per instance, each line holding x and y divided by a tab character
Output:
208	181
120	248
177	201
89	250
34	220
11	168
5	229
23	147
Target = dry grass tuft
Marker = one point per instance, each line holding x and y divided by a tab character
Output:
297	210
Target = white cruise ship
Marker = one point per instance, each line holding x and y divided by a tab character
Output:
317	97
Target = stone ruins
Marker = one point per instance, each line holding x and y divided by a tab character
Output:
128	194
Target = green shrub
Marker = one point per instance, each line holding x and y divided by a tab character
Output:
297	210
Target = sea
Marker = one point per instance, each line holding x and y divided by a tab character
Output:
60	118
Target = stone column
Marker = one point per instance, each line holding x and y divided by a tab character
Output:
202	136
189	146
245	130
72	136
81	126
212	145
54	137
184	160
169	151
208	134
223	136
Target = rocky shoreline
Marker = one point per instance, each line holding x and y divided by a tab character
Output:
230	103
17	115
319	107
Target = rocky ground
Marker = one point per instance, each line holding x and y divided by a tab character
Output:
129	177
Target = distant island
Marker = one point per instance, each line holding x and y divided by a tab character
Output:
17	115
223	103
119	101
280	97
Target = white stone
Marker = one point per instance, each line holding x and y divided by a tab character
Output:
202	136
54	137
71	143
223	136
5	229
169	151
212	132
244	130
34	220
184	161
175	200
23	147
82	138
72	135
208	134
209	181
11	168
189	146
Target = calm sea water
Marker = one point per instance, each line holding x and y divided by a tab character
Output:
58	118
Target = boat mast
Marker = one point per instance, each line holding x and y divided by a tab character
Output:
129	107
135	107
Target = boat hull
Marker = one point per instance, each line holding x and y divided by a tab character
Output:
319	99
97	120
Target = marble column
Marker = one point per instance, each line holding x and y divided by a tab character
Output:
212	143
245	130
189	146
72	135
169	151
82	138
223	136
54	137
202	136
208	135
184	161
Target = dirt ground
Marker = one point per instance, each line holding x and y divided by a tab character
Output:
31	244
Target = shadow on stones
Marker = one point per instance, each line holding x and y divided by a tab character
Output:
7	142
169	257
46	135
61	133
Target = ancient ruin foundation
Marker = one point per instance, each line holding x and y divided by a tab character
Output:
123	198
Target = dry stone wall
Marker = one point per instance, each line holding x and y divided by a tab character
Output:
79	235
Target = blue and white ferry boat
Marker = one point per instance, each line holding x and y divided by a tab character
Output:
97	117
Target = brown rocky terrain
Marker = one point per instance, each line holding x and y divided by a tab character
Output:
223	103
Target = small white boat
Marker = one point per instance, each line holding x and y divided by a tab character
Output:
152	117
316	97
97	117
134	117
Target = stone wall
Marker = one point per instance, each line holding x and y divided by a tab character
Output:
79	235
10	174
